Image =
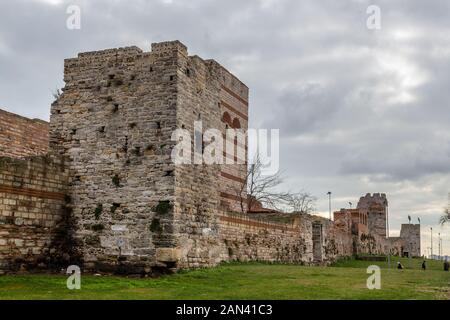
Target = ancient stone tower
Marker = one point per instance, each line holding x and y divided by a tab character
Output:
133	207
375	207
410	235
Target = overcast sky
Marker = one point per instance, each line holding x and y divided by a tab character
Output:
359	110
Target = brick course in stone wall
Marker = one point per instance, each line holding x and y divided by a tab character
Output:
32	206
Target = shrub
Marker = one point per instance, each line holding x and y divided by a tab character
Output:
98	211
163	207
116	180
98	227
155	226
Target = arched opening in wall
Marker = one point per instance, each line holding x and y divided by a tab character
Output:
236	123
226	118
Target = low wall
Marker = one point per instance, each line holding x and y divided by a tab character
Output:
32	211
285	238
337	243
248	239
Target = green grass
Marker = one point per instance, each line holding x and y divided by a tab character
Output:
345	280
415	264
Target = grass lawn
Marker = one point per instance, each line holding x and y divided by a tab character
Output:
345	280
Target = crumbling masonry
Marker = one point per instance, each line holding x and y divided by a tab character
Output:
97	186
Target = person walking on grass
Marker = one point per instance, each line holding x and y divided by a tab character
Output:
424	265
446	265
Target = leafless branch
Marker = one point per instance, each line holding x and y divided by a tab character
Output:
302	202
261	188
445	217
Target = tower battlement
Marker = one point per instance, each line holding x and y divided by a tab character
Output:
375	207
368	199
169	46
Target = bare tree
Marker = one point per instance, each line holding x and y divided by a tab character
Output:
445	217
302	202
261	188
240	190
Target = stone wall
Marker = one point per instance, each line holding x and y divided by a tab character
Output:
369	224
234	105
127	207
32	212
394	246
306	239
114	122
410	235
250	239
336	242
21	137
204	191
375	206
197	189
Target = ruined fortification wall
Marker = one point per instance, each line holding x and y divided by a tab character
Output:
330	242
410	235
307	239
133	207
394	246
114	121
128	207
200	189
234	105
197	188
249	239
338	243
21	137
32	212
375	207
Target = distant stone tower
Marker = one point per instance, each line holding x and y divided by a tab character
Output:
134	208
375	206
410	235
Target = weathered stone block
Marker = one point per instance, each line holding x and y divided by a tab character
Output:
168	254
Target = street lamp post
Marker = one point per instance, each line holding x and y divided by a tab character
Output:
431	241
439	242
